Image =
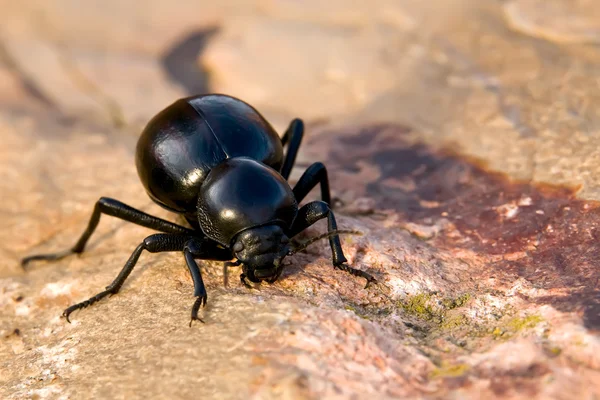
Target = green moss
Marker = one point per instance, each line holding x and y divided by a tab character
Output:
515	325
453	322
428	307
419	306
497	332
528	322
555	350
449	371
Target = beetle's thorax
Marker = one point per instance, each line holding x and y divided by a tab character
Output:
242	193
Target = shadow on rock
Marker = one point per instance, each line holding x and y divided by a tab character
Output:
181	61
541	233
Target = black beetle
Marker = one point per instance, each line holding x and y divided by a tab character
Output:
215	160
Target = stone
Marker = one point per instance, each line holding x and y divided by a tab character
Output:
461	150
247	60
558	20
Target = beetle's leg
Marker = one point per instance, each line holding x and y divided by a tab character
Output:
314	175
199	289
156	243
226	266
310	214
197	248
116	209
276	277
315	211
293	135
244	282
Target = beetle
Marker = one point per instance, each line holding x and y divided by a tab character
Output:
215	160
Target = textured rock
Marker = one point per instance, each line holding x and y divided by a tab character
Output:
557	20
488	269
268	59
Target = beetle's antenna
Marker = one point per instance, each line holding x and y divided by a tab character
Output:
310	241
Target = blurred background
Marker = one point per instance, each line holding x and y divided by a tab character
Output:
514	83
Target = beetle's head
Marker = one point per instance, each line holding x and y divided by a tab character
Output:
261	250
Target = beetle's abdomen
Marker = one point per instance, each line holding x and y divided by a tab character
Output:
174	154
180	146
241	193
240	129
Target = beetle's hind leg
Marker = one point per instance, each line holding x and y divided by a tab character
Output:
293	135
117	209
315	211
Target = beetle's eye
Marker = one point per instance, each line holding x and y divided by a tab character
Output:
238	246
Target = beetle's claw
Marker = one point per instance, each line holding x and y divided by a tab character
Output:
200	302
66	314
195	319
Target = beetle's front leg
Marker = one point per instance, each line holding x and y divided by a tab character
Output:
315	211
244	282
157	243
199	248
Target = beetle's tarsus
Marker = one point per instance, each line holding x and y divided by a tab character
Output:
357	272
87	303
46	257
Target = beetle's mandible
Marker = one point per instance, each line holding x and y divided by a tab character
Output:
216	161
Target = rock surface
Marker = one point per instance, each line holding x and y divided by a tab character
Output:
461	139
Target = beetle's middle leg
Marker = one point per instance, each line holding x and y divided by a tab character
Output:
315	211
314	175
116	209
